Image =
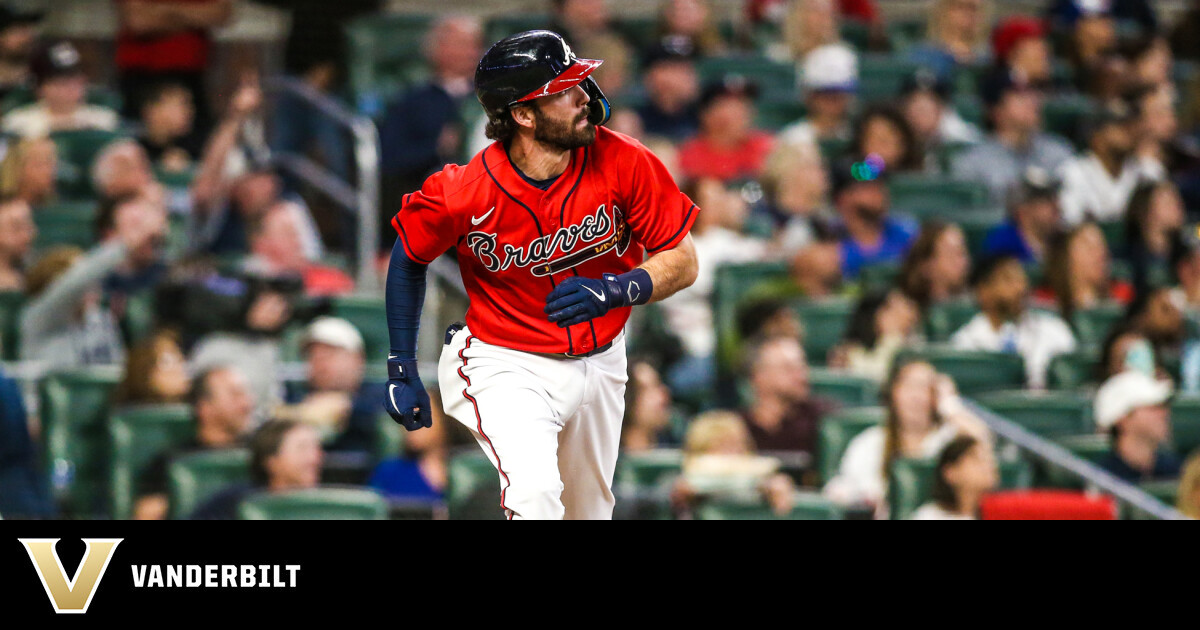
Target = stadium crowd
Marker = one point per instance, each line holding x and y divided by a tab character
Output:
899	220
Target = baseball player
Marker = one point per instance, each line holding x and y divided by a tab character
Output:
560	227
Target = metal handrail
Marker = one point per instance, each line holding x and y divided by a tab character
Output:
1061	457
361	200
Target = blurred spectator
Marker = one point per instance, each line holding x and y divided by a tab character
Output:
1021	49
1185	266
225	201
61	98
420	472
1078	272
336	400
1006	324
1033	217
1091	46
284	455
1140	12
883	131
155	374
935	124
121	169
167	40
690	21
581	22
782	413
647	423
719	459
1159	315
869	235
829	81
23	492
795	186
168	134
1154	217
277	249
1132	408
816	270
924	413
423	130
1185	36
957	36
937	268
1150	61
672	90
1126	349
728	147
221	410
17	233
809	25
18	38
64	323
315	49
1098	184
767	318
966	470
1188	502
1157	132
28	171
1016	142
144	267
883	323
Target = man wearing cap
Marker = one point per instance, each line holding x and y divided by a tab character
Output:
1133	408
61	93
1033	216
672	90
18	36
868	235
336	399
1098	184
728	146
829	78
1020	46
1016	142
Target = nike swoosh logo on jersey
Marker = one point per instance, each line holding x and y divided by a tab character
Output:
599	296
481	219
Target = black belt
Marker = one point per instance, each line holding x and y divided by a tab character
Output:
455	327
596	350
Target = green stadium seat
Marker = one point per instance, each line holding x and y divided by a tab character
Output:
856	33
648	470
316	504
389	438
136	438
80	148
974	372
925	197
970	108
879	277
11	303
639	31
847	389
66	223
880	76
776	80
175	179
1065	116
1092	448
96	95
473	487
825	322
1048	414
836	432
74	411
141	317
384	55
502	26
733	285
774	115
807	506
976	225
1114	235
1167	493
911	484
1072	371
1185	424
369	316
832	149
1092	325
195	477
948	152
943	320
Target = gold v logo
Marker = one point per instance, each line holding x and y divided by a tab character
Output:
74	596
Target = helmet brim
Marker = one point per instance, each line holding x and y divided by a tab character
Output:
572	76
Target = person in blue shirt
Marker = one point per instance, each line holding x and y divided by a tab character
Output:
1034	215
23	492
868	235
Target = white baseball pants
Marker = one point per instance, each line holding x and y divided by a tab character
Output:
551	425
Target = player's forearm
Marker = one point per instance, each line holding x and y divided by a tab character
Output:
405	297
673	270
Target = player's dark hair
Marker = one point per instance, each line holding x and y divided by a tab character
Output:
502	128
943	493
861	330
264	445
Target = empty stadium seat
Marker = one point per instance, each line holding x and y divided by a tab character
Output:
732	285
1049	414
136	437
943	320
1092	325
911	483
11	303
935	197
847	389
322	504
974	372
825	322
880	76
66	223
74	411
836	432
384	55
1065	116
473	487
775	114
369	316
1185	424
807	506
1072	371
195	477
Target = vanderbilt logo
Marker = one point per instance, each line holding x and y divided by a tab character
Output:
73	596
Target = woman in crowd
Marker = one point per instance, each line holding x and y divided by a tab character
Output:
28	171
882	130
937	267
155	373
691	20
883	323
957	36
809	25
1078	274
647	423
966	471
924	413
420	471
1152	219
796	187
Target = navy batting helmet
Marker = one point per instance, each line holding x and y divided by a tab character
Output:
532	64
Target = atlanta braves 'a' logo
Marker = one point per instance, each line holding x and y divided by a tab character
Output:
540	252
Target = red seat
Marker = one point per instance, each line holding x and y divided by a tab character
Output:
1047	505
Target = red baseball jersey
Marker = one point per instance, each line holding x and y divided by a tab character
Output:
613	205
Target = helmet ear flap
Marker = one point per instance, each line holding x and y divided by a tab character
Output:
599	111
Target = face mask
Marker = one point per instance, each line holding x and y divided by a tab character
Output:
1140	358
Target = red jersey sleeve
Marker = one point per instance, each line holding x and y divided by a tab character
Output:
659	214
425	223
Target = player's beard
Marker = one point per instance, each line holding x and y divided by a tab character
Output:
562	135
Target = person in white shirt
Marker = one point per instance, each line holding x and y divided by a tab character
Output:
62	98
1006	324
924	413
829	78
966	471
1098	185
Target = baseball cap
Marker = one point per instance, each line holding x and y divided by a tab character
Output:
996	84
1035	183
926	80
59	59
729	85
1125	392
333	331
670	48
846	173
830	68
1013	31
10	17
